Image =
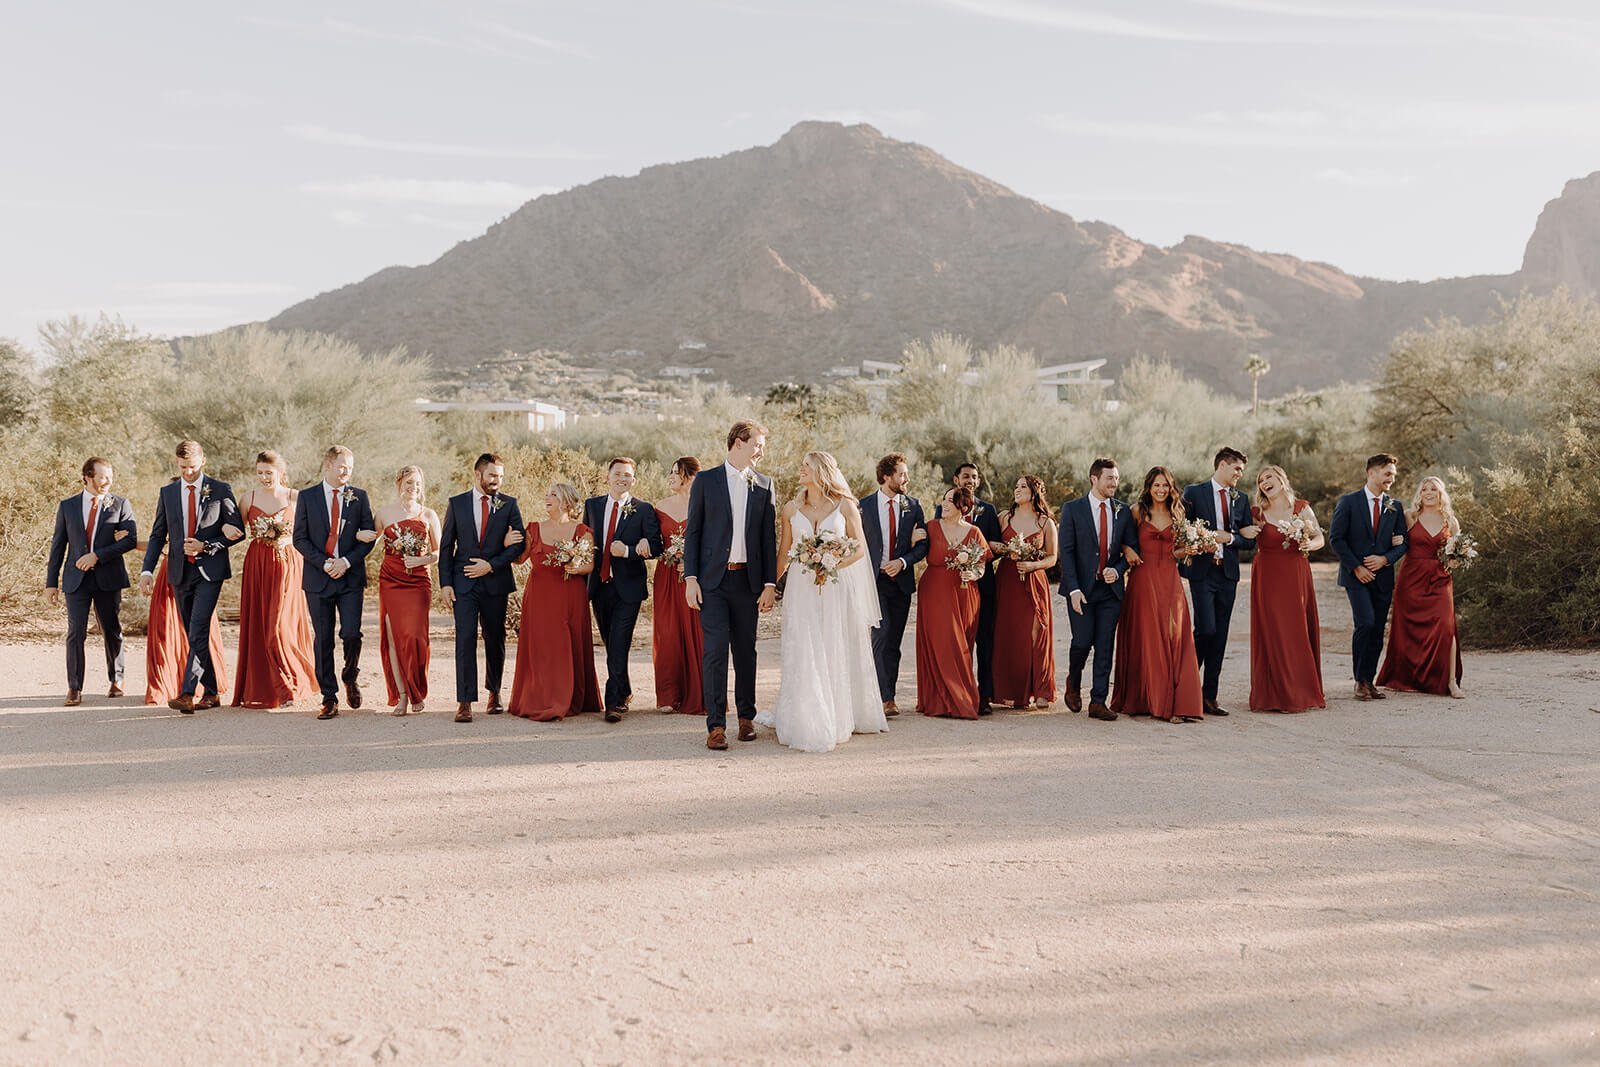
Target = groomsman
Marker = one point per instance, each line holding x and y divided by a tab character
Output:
334	531
619	583
987	520
197	521
1214	579
475	575
1368	533
1095	528
94	530
892	523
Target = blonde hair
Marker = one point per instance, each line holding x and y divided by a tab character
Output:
1445	507
829	478
1288	490
407	471
567	496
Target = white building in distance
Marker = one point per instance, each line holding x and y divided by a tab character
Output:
541	417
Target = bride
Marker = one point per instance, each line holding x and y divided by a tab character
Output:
829	686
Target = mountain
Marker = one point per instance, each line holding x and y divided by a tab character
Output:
838	244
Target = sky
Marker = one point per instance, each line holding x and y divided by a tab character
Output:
193	165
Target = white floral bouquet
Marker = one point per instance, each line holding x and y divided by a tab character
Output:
406	542
1022	550
269	528
967	560
672	553
1193	537
1298	532
1458	552
573	552
822	553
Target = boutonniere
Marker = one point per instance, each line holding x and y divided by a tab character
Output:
903	503
1392	506
347	496
494	503
627	508
749	476
205	491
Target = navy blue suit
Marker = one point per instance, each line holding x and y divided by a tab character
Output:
1213	585
100	587
894	594
196	586
480	602
1353	539
728	608
1096	627
616	601
326	595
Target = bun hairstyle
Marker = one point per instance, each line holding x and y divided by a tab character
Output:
686	467
273	460
407	471
566	496
961	499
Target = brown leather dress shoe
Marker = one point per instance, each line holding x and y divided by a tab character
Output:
352	694
889	710
614	714
74	698
1073	699
1361	691
1099	711
207	702
747	730
717	739
329	710
115	691
181	703
1375	693
495	707
464	711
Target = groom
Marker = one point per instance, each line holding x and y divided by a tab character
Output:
1214	579
328	524
890	520
730	574
1368	533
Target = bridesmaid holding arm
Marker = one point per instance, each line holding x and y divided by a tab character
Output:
676	644
555	674
947	613
1024	630
1285	631
1424	656
405	590
275	641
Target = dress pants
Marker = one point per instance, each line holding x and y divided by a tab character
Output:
106	604
1093	630
616	617
1213	612
197	603
477	608
894	604
988	605
728	617
1369	611
347	605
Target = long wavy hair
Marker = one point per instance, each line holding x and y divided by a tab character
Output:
1283	479
1037	502
1445	507
1147	502
830	479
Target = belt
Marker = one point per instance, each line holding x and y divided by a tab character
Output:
738	566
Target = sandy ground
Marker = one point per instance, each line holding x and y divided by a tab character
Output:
1407	882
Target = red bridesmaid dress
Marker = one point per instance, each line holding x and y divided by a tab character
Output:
1157	673
947	627
275	642
555	674
1285	632
1423	651
404	597
676	644
166	648
1024	632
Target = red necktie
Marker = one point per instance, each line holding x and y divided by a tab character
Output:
1105	535
611	534
1375	513
332	547
1222	510
892	541
189	523
94	513
483	520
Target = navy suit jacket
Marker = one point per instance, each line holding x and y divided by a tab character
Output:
1080	546
1200	502
311	522
70	542
908	520
708	530
217	508
1351	537
458	544
628	574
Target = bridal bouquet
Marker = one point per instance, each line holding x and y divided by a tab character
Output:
1458	552
1297	533
821	554
573	552
672	553
1022	550
967	559
1193	537
271	529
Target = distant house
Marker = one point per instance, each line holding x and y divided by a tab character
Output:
541	417
687	372
1055	383
689	344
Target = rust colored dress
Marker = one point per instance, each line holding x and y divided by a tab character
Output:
166	648
1024	632
555	653
404	596
947	628
1157	673
275	650
676	644
1285	632
1422	634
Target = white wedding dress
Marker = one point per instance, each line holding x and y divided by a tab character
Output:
829	685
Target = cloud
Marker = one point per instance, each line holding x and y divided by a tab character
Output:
1100	23
1365	179
306	131
349	217
451	192
472	43
535	40
1527	27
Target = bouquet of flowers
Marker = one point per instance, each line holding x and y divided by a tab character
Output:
821	554
1193	537
406	542
967	559
672	553
1297	533
1458	552
573	552
271	529
1022	550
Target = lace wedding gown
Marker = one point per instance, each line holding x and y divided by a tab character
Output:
829	685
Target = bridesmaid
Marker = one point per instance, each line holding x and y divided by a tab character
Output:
1157	672
275	654
1424	656
947	615
405	590
676	643
1285	632
555	674
1024	631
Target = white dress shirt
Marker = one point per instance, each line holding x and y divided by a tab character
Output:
885	505
612	506
739	500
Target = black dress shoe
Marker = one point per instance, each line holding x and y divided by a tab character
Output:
1212	708
329	711
985	710
352	694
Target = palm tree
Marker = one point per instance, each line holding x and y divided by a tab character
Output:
1255	366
